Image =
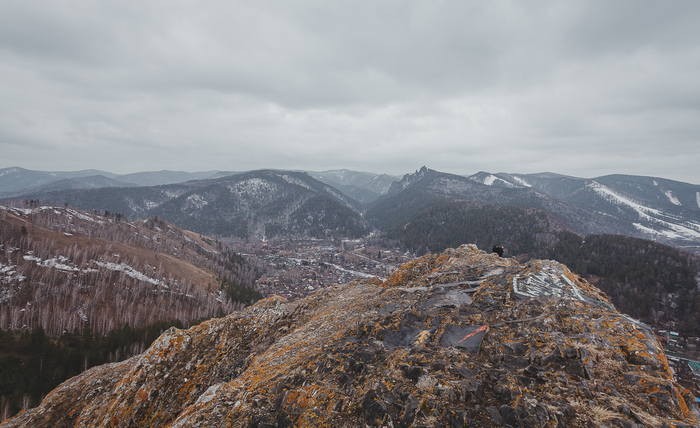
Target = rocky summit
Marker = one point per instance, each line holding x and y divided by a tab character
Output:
458	339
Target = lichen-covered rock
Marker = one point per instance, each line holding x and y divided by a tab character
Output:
460	339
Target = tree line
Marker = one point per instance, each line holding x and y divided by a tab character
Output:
32	364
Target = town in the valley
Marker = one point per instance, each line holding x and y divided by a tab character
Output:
293	269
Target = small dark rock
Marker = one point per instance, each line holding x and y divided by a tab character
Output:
454	418
569	352
409	413
575	368
568	411
662	400
623	423
438	366
535	372
464	372
515	348
496	417
515	362
509	416
374	410
554	357
411	372
502	393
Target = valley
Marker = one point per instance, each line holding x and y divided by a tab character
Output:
294	269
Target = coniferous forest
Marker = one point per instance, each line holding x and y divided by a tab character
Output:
32	363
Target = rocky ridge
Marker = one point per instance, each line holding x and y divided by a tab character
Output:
458	339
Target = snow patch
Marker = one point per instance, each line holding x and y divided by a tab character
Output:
673	199
651	231
522	182
252	186
685	230
609	195
697	198
196	202
56	263
490	179
82	216
128	270
6	269
294	180
8	171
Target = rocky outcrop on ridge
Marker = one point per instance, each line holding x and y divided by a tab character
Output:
459	339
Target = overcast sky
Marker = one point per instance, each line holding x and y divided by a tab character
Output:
580	88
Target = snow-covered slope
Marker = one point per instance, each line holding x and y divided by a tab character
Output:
654	208
493	180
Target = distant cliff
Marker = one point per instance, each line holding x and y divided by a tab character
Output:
458	339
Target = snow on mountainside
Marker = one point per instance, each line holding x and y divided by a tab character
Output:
491	180
265	204
428	188
648	207
655	221
673	199
654	208
115	272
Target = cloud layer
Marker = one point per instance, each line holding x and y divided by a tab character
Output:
579	88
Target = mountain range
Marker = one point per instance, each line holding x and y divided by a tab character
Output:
268	204
16	181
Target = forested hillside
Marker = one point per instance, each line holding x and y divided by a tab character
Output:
79	289
649	281
64	269
522	231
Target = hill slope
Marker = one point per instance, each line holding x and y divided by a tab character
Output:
426	188
62	269
265	204
661	210
259	204
460	339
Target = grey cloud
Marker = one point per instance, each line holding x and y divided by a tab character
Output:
573	87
